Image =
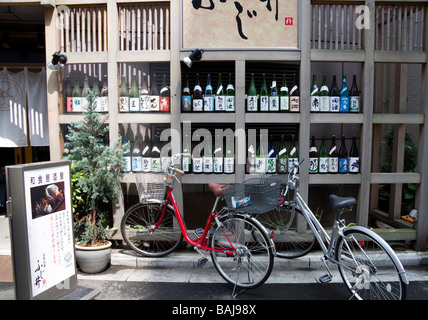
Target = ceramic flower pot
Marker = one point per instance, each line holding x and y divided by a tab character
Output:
93	259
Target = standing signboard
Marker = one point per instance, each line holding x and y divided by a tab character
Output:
40	211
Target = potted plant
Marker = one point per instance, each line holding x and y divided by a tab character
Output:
95	170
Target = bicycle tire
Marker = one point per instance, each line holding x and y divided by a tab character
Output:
289	242
252	260
373	274
136	226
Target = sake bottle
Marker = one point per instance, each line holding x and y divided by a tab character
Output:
96	92
186	97
134	96
127	164
230	95
315	99
354	100
343	157
68	99
284	99
198	102
123	96
146	153
274	97
313	157
295	96
104	95
333	157
154	95
186	160
282	157
324	96
208	96
208	157
260	166
220	101
251	154
323	158
252	98
85	94
156	155
334	96
218	155
354	157
229	156
144	96
136	156
293	155
271	157
264	98
344	96
76	96
164	96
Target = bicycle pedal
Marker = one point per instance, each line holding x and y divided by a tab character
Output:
325	278
199	232
202	261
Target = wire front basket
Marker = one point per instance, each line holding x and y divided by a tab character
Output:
256	195
150	186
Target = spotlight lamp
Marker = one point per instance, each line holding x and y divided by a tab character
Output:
196	55
58	60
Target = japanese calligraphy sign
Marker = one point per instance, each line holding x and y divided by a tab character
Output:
42	229
49	226
240	24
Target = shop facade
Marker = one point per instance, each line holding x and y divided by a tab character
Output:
382	43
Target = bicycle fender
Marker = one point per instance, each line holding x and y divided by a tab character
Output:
390	251
255	221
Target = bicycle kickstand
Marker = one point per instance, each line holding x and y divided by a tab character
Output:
328	276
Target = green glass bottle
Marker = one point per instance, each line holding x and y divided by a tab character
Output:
315	99
271	157
218	155
293	155
282	157
284	99
186	160
260	157
134	96
313	157
323	158
229	156
230	95
220	99
124	96
264	97
324	96
274	97
252	98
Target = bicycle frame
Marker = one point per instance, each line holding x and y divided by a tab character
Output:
338	230
200	242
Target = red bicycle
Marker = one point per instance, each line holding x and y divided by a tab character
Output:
239	245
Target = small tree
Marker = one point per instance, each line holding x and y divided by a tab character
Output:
97	168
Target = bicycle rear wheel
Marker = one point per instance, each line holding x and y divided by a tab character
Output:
251	261
137	225
367	267
293	237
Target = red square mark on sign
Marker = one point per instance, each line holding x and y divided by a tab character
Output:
289	21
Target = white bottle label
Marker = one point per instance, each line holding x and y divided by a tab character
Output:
334	104
252	103
264	103
229	165
134	104
230	103
218	165
198	105
323	165
273	103
124	104
285	103
354	164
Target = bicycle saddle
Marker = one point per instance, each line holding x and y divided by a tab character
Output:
341	202
216	189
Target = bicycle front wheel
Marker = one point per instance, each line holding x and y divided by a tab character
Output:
243	252
137	230
292	235
367	267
